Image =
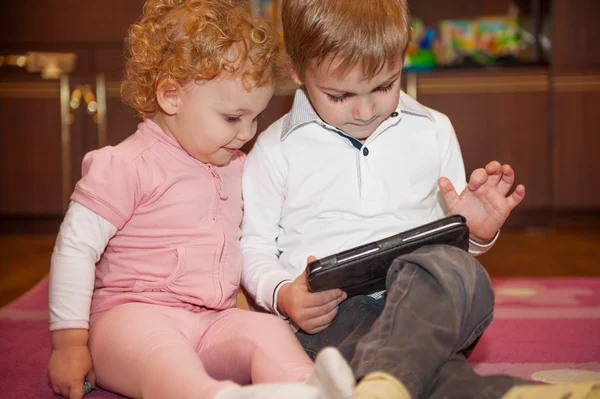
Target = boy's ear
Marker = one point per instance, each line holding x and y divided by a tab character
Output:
295	77
168	96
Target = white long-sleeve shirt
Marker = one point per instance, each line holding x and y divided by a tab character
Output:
81	240
311	190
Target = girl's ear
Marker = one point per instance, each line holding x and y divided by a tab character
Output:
295	76
168	96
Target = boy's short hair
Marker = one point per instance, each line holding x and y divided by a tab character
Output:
185	40
369	33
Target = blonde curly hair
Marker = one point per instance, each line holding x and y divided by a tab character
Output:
196	40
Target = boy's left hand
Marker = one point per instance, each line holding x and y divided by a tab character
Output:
484	202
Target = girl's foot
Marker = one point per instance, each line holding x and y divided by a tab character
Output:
333	376
270	391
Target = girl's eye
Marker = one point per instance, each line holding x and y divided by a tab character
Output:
232	118
383	89
338	99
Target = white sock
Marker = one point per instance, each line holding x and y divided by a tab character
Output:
333	376
270	391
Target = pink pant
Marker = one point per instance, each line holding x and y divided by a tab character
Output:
151	351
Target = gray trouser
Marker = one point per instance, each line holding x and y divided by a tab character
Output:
439	301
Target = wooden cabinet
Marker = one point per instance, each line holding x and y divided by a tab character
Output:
576	35
576	141
498	115
540	120
575	104
30	148
40	155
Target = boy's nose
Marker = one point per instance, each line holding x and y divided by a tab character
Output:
364	111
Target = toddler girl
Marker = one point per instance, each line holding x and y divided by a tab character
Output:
146	267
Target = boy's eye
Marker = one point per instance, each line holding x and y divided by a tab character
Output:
232	118
383	89
338	99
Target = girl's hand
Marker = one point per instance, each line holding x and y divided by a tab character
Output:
484	202
70	364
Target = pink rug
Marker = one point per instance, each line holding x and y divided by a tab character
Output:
544	329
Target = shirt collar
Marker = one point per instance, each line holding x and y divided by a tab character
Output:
302	112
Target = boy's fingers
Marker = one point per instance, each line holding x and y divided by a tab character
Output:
516	197
319	311
320	323
302	279
478	177
508	179
317	299
493	167
494	172
447	190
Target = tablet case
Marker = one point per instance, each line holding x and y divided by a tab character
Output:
362	270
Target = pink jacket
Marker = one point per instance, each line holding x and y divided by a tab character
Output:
178	223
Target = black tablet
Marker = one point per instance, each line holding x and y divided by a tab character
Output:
362	270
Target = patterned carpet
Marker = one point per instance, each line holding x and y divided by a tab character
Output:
544	329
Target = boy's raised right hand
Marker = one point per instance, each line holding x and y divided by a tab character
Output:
70	363
310	311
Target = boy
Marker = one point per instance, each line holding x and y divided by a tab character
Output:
356	160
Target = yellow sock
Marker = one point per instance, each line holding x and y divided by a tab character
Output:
580	390
379	385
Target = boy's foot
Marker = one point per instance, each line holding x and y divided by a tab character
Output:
580	390
270	391
333	376
379	385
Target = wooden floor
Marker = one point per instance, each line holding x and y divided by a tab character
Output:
572	248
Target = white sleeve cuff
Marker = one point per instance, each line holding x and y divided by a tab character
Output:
478	248
268	288
277	288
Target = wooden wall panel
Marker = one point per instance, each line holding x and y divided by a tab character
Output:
576	141
73	21
456	9
499	116
576	34
30	145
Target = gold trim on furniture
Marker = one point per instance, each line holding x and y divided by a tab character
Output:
412	84
466	85
85	93
113	89
576	83
49	65
285	87
29	90
65	138
101	113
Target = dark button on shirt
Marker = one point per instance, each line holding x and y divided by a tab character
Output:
365	151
